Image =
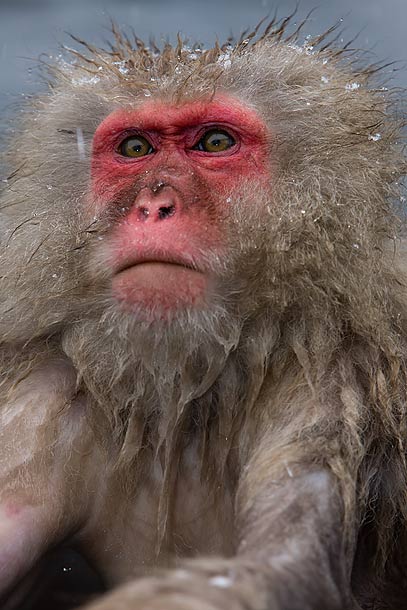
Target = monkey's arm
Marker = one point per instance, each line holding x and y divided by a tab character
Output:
290	552
290	524
44	444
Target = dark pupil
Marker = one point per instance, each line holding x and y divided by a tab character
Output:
135	145
217	140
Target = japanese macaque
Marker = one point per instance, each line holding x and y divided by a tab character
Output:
203	327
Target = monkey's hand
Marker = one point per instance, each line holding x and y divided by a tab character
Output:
44	442
211	584
222	584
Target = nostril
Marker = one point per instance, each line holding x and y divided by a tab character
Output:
166	211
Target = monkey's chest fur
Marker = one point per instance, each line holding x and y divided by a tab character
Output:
121	537
163	489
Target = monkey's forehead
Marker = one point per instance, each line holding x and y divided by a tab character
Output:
161	116
254	72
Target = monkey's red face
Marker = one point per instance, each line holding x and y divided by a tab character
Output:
166	175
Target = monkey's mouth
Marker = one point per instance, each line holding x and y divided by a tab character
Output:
162	283
155	260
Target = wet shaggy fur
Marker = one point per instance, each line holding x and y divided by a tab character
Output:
305	334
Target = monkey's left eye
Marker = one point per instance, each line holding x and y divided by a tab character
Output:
135	146
215	140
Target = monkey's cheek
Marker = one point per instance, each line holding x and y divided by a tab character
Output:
159	287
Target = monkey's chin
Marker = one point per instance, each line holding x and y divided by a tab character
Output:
157	290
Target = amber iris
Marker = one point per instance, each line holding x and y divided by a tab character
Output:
135	146
214	141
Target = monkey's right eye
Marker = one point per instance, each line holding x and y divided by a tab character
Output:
135	146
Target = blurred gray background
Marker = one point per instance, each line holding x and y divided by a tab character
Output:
31	27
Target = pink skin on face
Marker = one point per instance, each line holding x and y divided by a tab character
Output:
175	196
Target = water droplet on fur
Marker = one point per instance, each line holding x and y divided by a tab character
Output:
224	60
375	137
223	582
352	86
296	48
325	79
86	80
121	65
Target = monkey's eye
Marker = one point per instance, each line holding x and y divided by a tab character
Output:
135	146
215	140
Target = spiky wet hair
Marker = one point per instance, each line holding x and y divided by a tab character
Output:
323	343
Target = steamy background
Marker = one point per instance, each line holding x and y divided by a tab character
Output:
31	27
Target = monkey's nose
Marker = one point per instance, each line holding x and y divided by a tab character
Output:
154	207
